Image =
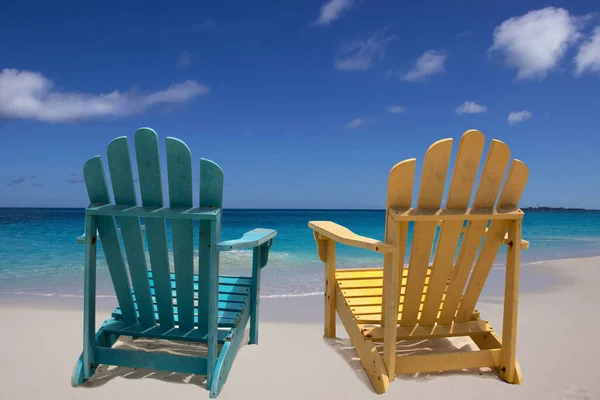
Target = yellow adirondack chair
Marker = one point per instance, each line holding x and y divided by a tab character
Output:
437	300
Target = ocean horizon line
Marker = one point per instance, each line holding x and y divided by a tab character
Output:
529	208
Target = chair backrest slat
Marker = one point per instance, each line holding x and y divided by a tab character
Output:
433	178
447	290
399	194
459	195
95	182
490	182
510	196
179	173
211	195
119	162
148	164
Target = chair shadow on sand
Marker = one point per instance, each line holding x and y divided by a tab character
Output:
413	347
106	373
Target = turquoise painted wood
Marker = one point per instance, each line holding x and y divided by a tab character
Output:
121	176
204	213
166	301
211	195
158	361
89	299
179	168
255	294
228	353
95	183
254	238
148	165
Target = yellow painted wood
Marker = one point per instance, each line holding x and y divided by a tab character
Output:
433	179
363	273
399	194
420	332
321	247
433	294
514	186
489	251
330	290
459	196
447	361
366	273
458	278
351	293
492	176
511	194
345	236
485	197
371	300
524	243
470	214
391	296
369	283
511	301
365	349
487	340
491	340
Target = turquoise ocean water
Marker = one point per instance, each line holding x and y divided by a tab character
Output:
39	254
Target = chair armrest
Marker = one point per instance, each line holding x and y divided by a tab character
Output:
343	235
253	238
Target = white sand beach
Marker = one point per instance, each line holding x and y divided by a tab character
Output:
558	332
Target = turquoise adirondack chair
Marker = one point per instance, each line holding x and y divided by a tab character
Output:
165	303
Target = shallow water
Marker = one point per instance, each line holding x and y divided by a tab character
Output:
39	254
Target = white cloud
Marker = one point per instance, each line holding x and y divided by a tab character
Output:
535	42
185	59
331	10
470	107
430	63
588	56
360	55
206	25
395	109
356	123
518	116
30	95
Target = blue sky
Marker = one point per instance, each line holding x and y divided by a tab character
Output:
304	104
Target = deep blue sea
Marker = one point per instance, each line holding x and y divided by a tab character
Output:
39	253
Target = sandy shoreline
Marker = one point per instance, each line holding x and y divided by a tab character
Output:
558	327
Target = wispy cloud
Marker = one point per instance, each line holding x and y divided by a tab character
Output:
185	59
470	107
430	63
518	116
360	55
356	123
395	109
30	95
206	25
588	56
37	184
74	178
535	42
17	181
331	10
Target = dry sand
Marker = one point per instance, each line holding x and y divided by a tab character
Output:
559	327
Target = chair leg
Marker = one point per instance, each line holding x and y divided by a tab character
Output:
510	370
365	349
255	295
490	340
329	293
